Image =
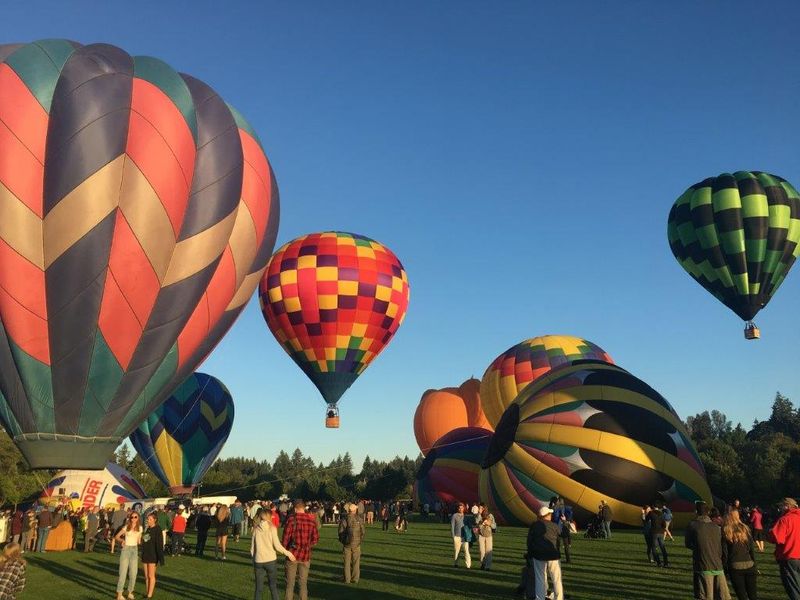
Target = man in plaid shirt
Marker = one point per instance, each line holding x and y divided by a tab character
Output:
299	535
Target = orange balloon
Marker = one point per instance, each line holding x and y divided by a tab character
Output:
438	413
470	392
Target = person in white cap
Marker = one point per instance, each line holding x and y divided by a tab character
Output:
543	549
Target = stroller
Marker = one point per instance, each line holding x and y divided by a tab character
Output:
594	529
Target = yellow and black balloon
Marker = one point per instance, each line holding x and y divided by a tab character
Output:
589	432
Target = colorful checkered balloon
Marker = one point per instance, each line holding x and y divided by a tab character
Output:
519	365
737	235
334	300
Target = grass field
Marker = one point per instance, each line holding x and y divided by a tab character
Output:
414	565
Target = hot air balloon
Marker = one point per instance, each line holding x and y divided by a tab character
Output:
450	471
737	236
333	301
112	485
182	438
521	364
441	411
590	432
137	212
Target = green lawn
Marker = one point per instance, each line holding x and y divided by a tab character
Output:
414	565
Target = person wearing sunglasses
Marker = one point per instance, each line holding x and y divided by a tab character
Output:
129	537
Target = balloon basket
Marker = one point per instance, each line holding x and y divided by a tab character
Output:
332	417
751	332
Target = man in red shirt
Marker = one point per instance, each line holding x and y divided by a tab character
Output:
300	534
786	536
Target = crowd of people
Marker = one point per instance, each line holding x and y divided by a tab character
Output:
724	543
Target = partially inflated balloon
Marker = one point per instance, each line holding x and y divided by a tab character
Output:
184	436
439	412
521	364
112	485
334	300
591	432
450	471
470	392
137	212
737	236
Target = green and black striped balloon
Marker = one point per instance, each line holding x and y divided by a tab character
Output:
737	235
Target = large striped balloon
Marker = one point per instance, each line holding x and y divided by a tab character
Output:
334	300
591	432
450	471
137	212
737	235
519	365
182	438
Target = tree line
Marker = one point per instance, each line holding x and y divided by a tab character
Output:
760	465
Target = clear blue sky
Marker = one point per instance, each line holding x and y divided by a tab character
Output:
519	157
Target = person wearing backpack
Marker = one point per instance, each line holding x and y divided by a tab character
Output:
351	534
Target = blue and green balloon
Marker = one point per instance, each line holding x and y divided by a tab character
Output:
182	438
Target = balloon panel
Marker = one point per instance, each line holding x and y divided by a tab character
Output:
450	471
591	432
182	438
737	235
126	251
521	364
334	300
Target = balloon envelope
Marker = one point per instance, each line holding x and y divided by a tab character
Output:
112	485
137	212
451	469
521	364
737	235
333	301
182	438
441	411
591	432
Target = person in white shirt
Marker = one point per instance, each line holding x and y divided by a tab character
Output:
264	548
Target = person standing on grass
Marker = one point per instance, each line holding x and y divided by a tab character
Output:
785	534
351	534
740	562
16	526
92	527
757	523
129	538
647	532
606	516
385	517
237	516
118	521
164	520
300	534
12	572
178	531
457	522
202	525
223	521
44	521
486	528
562	517
152	552
28	530
704	539
657	528
264	549
543	549
667	514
